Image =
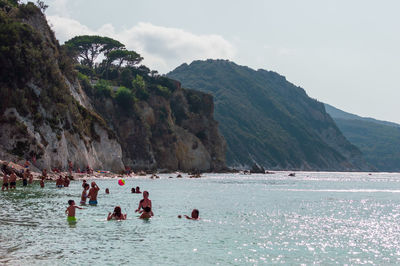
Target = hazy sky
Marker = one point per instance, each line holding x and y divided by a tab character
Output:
343	52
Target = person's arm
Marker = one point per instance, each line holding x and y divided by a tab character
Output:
125	216
189	218
66	211
109	217
140	205
77	207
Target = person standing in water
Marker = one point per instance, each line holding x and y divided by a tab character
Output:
71	211
84	194
60	182
25	177
13	181
42	182
94	190
145	202
5	182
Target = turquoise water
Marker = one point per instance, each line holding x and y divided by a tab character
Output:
321	218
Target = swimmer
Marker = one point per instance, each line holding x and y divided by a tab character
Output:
42	182
5	182
93	194
107	191
145	202
117	215
133	190
195	215
71	211
147	213
13	181
60	182
138	190
84	194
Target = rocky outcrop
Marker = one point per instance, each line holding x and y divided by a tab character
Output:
45	113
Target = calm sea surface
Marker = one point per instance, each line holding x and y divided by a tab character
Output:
323	218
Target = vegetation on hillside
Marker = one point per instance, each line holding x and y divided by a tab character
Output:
265	119
379	141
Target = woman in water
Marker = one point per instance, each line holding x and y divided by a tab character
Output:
84	194
145	202
117	215
146	214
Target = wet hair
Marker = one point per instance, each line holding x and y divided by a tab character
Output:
70	202
86	185
146	192
133	190
196	211
138	188
117	211
147	209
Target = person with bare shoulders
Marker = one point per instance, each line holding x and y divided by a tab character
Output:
5	182
25	177
60	182
84	183
44	173
94	190
71	211
30	181
195	215
145	202
13	181
84	194
66	181
42	182
138	190
116	215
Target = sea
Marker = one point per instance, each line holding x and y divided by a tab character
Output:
319	218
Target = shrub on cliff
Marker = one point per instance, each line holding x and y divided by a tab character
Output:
125	98
103	89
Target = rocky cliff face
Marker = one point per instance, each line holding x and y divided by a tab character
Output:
167	133
45	113
43	110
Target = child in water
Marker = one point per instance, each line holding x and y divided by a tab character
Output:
117	214
84	193
5	182
71	211
195	215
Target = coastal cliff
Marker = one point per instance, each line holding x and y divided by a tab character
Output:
268	121
50	113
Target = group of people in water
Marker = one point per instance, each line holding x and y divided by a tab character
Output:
91	193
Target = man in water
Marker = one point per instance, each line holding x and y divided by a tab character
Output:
94	190
60	182
25	177
5	182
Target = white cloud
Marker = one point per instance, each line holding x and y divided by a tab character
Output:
163	48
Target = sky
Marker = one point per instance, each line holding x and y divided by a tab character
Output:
345	53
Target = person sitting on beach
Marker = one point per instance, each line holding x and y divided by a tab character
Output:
5	182
195	215
71	211
25	177
138	190
94	190
107	191
146	213
117	214
84	194
42	182
145	202
60	182
66	181
13	181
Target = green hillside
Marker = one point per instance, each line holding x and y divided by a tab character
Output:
267	120
379	141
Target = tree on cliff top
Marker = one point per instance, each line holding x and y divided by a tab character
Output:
88	48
